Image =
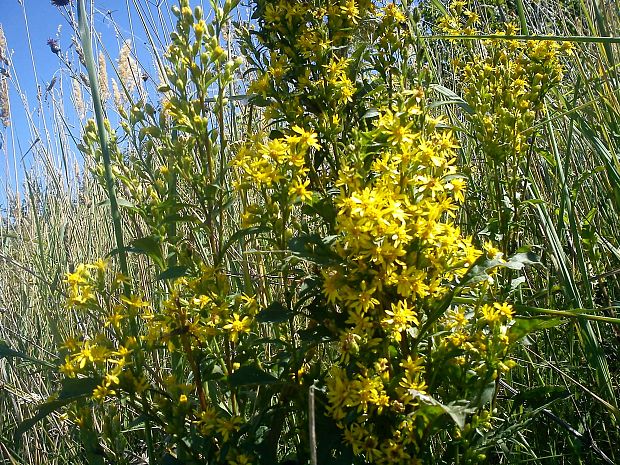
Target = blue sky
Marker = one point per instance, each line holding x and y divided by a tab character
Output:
28	24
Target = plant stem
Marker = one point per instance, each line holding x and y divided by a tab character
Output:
85	39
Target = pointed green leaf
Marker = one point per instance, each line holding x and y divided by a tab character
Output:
72	390
274	313
458	411
173	272
314	248
77	387
6	352
524	326
519	260
539	397
149	246
43	411
251	375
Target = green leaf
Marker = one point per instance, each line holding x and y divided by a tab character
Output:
524	326
485	395
237	236
478	272
126	204
453	98
6	352
43	411
323	208
251	375
173	272
213	372
274	313
72	390
317	334
276	134
150	246
540	396
77	387
314	248
371	113
520	260
437	4
458	411
95	454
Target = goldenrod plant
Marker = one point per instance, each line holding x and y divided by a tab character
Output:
404	370
312	257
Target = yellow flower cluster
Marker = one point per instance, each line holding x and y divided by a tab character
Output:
401	255
82	284
277	169
392	218
505	85
80	287
108	362
108	357
391	180
199	316
313	30
479	336
197	311
311	58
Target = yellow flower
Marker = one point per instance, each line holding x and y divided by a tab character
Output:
338	392
331	285
298	190
400	318
504	309
308	139
84	356
135	302
237	325
111	378
227	427
81	276
457	187
490	313
115	318
361	299
207	422
68	368
101	392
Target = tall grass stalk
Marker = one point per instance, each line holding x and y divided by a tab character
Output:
86	41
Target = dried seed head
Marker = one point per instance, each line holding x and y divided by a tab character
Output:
103	78
4	59
119	99
78	100
78	50
128	71
61	2
5	108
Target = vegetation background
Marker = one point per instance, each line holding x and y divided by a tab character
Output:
560	203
